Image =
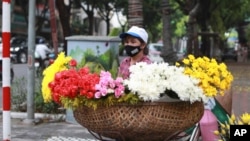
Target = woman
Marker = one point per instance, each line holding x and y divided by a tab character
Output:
135	43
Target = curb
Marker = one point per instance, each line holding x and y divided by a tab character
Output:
23	115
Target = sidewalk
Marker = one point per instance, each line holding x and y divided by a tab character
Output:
240	87
46	131
62	131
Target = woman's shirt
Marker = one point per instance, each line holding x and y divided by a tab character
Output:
125	64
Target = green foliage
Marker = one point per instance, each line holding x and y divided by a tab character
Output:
40	106
218	26
107	61
152	17
180	29
248	32
19	98
78	28
94	67
227	14
115	32
50	107
18	94
121	49
107	101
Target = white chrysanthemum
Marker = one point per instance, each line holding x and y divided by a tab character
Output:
149	81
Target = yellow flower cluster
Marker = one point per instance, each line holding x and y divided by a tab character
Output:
214	76
224	130
49	74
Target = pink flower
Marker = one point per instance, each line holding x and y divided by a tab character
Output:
107	85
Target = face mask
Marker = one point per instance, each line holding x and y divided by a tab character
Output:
132	50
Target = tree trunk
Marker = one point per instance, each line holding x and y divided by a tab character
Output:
168	53
108	25
90	22
202	18
192	42
53	26
64	14
135	13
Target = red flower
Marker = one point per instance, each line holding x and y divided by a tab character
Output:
72	83
73	63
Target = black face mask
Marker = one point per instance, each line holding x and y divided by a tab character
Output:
132	50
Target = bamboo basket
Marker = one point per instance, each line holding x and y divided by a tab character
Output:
154	121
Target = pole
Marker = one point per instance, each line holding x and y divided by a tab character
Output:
6	69
53	25
31	74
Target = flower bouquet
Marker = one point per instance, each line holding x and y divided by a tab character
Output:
74	85
103	103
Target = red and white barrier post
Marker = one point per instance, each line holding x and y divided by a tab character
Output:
6	22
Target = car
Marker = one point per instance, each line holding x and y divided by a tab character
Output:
155	52
19	48
229	54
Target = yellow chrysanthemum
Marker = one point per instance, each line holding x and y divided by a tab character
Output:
245	118
49	73
186	61
214	77
177	64
233	117
216	132
240	123
227	126
224	130
222	125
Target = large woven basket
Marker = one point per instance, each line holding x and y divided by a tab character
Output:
154	121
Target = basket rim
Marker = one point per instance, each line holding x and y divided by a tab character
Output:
155	103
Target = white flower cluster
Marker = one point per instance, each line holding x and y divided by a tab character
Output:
149	81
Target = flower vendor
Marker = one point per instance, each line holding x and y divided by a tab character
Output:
135	42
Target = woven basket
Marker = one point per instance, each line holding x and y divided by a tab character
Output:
154	121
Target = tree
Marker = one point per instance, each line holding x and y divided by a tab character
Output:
106	11
167	51
88	7
64	14
152	19
211	16
135	13
21	8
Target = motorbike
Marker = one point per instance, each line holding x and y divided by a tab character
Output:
41	64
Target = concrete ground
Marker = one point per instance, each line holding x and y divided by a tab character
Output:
240	87
46	131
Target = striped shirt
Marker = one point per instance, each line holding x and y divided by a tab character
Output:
125	64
